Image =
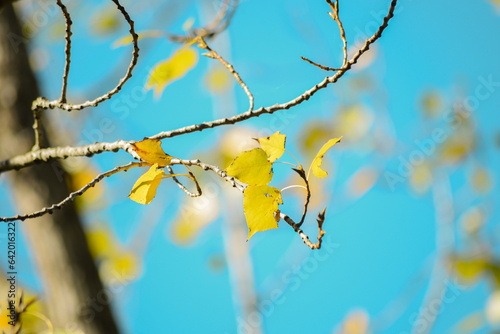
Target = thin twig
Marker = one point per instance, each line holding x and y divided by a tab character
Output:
326	68
37	127
46	104
182	187
213	54
74	194
67	50
303	236
336	17
302	175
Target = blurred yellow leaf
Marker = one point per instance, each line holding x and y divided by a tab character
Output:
273	145
493	309
260	204
251	167
171	69
470	323
469	269
421	177
100	242
318	160
432	103
126	40
472	220
106	21
481	180
218	80
354	121
150	151
121	266
356	322
362	181
194	215
313	135
144	189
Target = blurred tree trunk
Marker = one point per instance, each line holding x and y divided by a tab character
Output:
73	293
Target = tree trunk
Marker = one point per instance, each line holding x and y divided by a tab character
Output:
73	292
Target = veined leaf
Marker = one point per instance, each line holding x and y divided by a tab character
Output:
150	151
144	189
261	208
318	160
251	167
273	145
171	69
126	40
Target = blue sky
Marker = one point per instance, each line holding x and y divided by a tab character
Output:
380	247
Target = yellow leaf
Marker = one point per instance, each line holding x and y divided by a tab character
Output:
150	151
260	204
144	189
273	145
432	103
251	167
318	160
356	322
362	181
126	40
171	69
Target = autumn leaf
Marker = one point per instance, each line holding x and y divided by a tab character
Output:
273	145
261	208
171	69
318	160
150	151
218	80
251	167
144	189
126	40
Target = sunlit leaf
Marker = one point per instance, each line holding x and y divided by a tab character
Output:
260	204
144	190
273	145
318	160
127	39
251	167
218	80
150	151
171	69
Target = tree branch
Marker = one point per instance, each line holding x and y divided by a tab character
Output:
46	154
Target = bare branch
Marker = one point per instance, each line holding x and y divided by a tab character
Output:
46	104
67	50
213	54
74	194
